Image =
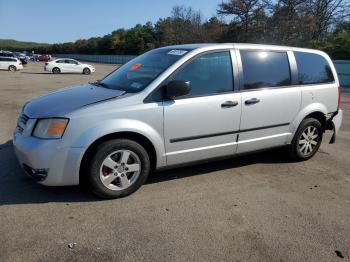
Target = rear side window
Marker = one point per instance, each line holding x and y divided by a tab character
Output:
208	74
60	61
313	69
265	69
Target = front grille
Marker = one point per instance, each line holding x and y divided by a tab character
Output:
23	119
22	122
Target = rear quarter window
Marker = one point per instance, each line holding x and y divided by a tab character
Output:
313	69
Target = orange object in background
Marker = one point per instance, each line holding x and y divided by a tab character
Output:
134	67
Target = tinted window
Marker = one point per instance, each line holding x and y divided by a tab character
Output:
313	69
71	62
1	59
60	61
208	74
265	69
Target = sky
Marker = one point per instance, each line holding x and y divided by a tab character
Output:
49	21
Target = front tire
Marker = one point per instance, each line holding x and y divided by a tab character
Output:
56	70
12	68
307	140
86	71
119	168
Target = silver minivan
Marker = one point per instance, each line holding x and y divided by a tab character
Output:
178	105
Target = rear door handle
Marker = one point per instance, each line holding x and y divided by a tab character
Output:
252	101
228	104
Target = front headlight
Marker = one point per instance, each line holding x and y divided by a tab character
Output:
52	128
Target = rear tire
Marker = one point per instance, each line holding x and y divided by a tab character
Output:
86	71
12	68
56	70
119	168
307	140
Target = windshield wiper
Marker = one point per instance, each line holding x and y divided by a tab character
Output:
99	83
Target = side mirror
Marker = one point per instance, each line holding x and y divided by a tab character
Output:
177	88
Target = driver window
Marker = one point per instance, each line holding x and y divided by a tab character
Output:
208	74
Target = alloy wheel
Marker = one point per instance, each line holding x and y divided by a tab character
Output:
308	140
120	169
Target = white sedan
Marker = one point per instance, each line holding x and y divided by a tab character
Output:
65	65
10	63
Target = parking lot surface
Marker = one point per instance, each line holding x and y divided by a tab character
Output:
260	207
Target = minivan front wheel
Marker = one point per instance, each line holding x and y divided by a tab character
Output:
119	168
307	139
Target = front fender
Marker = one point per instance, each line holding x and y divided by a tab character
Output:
309	109
107	127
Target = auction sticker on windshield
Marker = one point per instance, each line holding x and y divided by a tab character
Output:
177	52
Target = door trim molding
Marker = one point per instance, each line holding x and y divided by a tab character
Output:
182	139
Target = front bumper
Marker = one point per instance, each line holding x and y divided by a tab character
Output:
47	161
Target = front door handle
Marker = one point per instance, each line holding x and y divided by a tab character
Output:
252	101
228	104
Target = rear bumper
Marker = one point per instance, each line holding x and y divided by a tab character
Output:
334	124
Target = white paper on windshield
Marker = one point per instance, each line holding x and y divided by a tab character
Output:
136	85
177	52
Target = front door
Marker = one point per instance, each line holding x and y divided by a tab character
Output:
269	101
204	123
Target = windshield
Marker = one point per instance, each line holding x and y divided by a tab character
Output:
137	74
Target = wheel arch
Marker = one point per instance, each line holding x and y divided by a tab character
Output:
319	116
12	66
316	110
137	137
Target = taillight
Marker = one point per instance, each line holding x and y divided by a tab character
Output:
339	91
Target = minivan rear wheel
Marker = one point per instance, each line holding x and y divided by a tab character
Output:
12	68
119	168
307	140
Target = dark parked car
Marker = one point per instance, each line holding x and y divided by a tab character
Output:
6	54
22	57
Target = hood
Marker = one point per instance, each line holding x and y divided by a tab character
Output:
64	101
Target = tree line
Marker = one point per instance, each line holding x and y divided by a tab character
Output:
321	24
